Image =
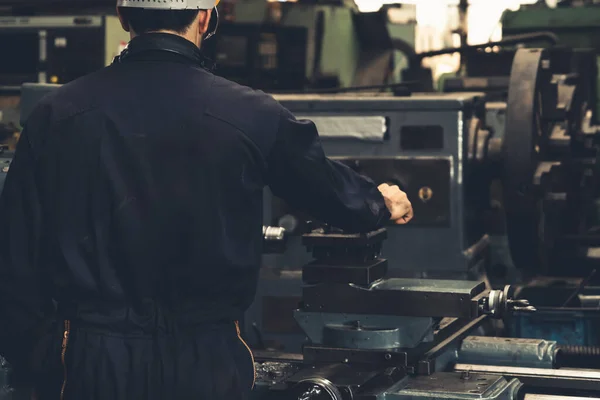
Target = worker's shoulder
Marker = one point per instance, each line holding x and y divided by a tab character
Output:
70	99
243	106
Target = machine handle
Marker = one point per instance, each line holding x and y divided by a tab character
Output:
274	240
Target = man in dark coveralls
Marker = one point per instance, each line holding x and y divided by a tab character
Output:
131	222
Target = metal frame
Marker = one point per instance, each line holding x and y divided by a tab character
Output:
542	378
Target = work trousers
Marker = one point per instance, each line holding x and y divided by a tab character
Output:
204	362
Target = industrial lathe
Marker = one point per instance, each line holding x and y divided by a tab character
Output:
373	337
504	191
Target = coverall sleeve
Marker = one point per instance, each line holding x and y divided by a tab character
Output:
23	305
301	174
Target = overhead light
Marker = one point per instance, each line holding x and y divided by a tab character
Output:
369	5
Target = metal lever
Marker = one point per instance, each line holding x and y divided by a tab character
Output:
274	240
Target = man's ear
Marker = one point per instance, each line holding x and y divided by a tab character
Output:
204	21
124	23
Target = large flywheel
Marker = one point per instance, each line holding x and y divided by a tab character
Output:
549	173
528	128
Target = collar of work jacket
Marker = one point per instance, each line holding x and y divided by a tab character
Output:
162	46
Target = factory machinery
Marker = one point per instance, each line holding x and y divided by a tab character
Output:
501	190
373	337
379	322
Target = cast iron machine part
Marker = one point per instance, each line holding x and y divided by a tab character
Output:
348	276
550	174
545	157
357	354
367	332
546	160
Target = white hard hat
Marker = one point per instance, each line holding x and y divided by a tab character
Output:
169	4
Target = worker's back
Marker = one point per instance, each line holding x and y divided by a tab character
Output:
154	184
131	219
134	201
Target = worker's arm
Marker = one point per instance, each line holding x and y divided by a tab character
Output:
23	304
302	175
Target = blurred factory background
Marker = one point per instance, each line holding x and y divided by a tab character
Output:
331	38
280	46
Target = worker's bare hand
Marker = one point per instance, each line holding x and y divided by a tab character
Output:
397	203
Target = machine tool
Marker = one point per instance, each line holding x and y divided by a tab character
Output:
567	315
527	191
373	337
453	154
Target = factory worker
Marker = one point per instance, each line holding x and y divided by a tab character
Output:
131	219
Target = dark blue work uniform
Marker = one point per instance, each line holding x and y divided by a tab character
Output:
131	226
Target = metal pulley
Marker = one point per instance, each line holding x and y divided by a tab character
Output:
530	107
550	176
